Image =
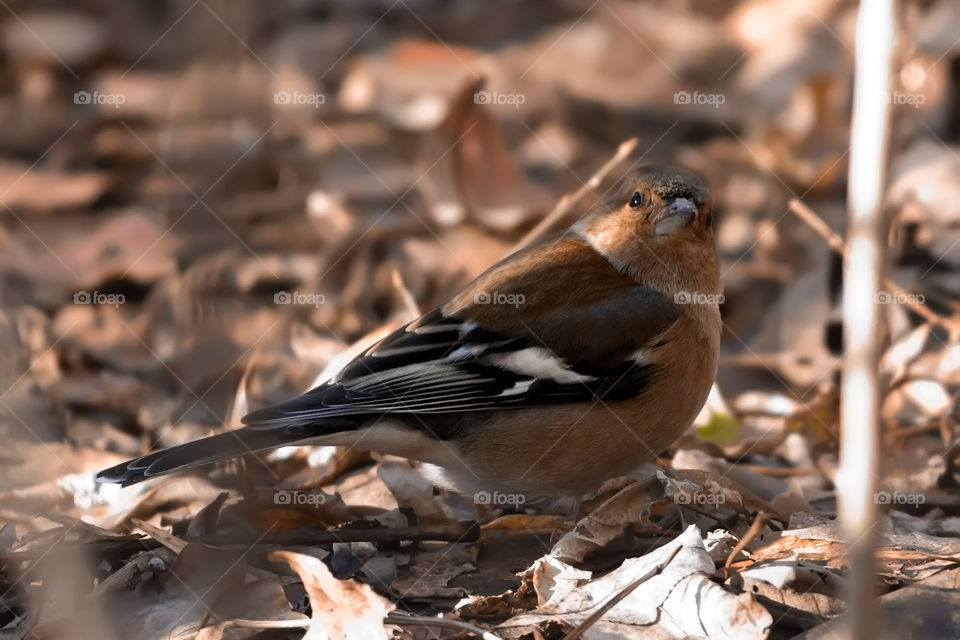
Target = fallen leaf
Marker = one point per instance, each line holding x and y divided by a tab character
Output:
676	594
342	609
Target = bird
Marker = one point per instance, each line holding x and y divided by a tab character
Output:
572	361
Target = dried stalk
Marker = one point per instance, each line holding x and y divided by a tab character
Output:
836	243
860	444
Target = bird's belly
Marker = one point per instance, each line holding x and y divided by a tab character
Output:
395	438
568	449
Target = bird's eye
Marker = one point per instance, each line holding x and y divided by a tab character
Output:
636	199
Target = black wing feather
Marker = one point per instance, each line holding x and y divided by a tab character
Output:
426	372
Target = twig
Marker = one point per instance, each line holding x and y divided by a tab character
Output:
896	431
449	532
562	208
755	528
836	243
781	472
409	302
267	624
612	602
454	532
165	538
402	619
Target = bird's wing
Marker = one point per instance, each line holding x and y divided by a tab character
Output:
554	323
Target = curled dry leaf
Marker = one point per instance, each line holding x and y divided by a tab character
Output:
342	609
633	503
690	486
678	598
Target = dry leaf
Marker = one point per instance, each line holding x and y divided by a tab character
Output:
342	609
678	596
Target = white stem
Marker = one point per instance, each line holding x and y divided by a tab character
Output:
860	453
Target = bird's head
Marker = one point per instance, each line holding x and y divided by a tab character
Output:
660	222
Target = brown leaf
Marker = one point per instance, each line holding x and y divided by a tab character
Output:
342	609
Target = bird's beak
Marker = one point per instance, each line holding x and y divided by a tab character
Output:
678	213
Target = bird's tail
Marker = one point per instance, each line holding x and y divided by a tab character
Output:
204	451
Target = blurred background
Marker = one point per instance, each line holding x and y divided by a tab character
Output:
205	202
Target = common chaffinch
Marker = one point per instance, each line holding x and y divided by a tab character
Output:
569	362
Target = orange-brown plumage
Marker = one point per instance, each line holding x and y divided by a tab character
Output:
606	438
567	363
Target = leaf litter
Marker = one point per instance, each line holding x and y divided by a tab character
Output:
199	248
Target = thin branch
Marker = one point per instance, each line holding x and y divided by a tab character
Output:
240	623
402	619
567	202
755	529
466	531
836	243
